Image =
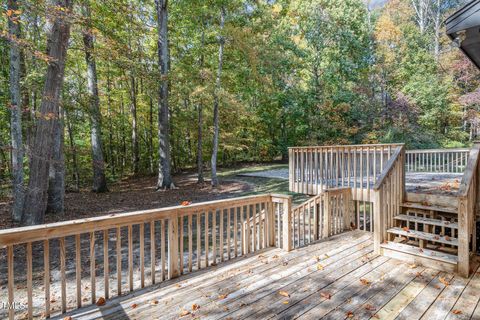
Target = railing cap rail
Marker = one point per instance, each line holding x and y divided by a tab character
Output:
437	150
41	232
388	167
350	146
470	170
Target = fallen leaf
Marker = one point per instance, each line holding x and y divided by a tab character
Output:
448	238
406	229
412	266
365	282
285	302
349	314
184	313
154	302
456	311
369	307
284	293
67	318
326	295
319	267
185	203
445	282
134	305
195	307
222	296
101	301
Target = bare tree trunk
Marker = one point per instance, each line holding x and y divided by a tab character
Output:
133	111
56	174
16	112
76	175
110	126
218	87
200	117
43	142
150	137
164	168
98	162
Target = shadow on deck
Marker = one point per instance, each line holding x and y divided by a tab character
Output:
336	278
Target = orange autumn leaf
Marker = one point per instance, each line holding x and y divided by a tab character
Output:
222	296
195	307
184	313
67	318
284	293
185	203
134	305
325	295
445	282
365	282
456	311
101	301
406	229
349	314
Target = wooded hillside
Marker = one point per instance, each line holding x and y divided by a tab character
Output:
93	91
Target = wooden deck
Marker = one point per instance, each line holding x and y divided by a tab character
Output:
336	278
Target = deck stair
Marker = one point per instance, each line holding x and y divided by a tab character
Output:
424	234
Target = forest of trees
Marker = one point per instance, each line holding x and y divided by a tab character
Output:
95	90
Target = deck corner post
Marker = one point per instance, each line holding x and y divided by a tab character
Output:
287	224
173	266
378	221
463	239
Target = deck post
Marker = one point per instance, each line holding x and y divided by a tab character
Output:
463	238
173	268
378	221
287	224
291	168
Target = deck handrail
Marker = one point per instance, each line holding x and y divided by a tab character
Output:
437	150
388	167
348	146
470	170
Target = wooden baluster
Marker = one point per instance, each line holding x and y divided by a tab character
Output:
46	263
235	231
190	243
78	270
243	231
214	237
229	212
180	228
29	280
62	275
321	164
153	260
206	238
119	261
92	267
221	244
173	266
199	241
130	258
106	267
142	255
11	282
163	256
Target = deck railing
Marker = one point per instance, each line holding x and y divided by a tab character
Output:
84	261
389	192
437	160
468	194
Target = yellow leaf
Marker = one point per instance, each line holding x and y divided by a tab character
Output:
222	296
285	302
184	313
319	267
284	293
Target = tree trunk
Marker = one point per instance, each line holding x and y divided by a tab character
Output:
76	174
200	117
218	87
98	162
43	142
56	173
133	111
164	168
150	136
16	113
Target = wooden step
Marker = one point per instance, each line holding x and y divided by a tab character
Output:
432	222
426	257
424	236
419	206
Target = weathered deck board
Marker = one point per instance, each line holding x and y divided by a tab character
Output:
322	280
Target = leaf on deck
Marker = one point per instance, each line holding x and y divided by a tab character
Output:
445	282
349	314
456	311
365	282
101	302
195	307
326	295
284	293
319	267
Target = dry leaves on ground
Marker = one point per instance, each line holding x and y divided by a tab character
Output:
365	282
456	311
195	307
445	282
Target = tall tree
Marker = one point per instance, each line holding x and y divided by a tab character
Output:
98	163
164	168
58	27
13	14
200	178
216	93
56	171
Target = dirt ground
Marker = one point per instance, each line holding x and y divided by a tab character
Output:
135	194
